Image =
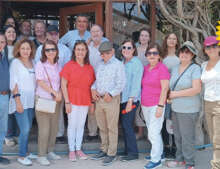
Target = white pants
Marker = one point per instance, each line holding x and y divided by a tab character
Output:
75	129
61	127
154	126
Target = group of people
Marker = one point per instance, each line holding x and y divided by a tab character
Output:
81	73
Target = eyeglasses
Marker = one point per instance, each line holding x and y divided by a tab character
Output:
211	46
80	41
50	50
127	47
152	53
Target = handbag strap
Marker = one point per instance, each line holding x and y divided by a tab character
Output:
48	76
180	76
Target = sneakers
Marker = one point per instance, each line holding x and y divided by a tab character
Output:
152	165
32	156
10	142
190	167
128	158
99	156
25	161
108	160
81	155
72	156
53	156
162	157
4	161
174	164
43	161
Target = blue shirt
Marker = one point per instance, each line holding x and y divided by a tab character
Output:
4	71
134	71
70	38
110	77
189	104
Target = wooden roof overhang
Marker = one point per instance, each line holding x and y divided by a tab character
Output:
108	10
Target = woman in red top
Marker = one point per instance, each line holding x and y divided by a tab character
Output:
77	77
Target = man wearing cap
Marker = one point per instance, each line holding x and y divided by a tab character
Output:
95	59
185	97
80	33
64	56
4	94
110	81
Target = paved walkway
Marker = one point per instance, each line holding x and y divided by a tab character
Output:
202	162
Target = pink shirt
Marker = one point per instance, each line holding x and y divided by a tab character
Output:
151	87
40	74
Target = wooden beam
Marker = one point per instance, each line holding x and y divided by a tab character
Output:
108	19
99	14
131	1
153	20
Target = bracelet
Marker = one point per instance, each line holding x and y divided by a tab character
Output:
159	105
16	95
67	103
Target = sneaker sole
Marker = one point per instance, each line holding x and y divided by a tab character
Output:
97	159
107	164
154	167
72	160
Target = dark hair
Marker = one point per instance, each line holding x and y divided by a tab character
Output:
146	30
16	51
82	15
183	49
154	45
6	27
133	45
8	17
165	47
81	42
43	55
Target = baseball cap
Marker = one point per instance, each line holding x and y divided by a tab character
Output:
210	40
52	28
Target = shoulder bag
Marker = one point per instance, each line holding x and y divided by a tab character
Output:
168	105
46	105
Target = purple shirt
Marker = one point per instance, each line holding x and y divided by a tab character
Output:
53	71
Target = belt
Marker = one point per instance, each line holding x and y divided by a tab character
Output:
4	92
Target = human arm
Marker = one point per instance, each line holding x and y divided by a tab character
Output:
163	95
68	106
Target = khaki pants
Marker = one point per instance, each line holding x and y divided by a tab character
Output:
107	115
212	114
47	130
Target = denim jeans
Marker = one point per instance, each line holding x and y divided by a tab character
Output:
127	121
13	130
4	104
24	121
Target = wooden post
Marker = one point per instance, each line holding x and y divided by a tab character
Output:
108	19
153	20
99	14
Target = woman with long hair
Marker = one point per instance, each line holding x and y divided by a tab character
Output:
77	77
22	86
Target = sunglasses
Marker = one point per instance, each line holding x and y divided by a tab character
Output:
211	46
152	53
127	47
50	50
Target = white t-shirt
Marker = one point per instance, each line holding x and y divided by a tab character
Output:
25	80
211	81
10	53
